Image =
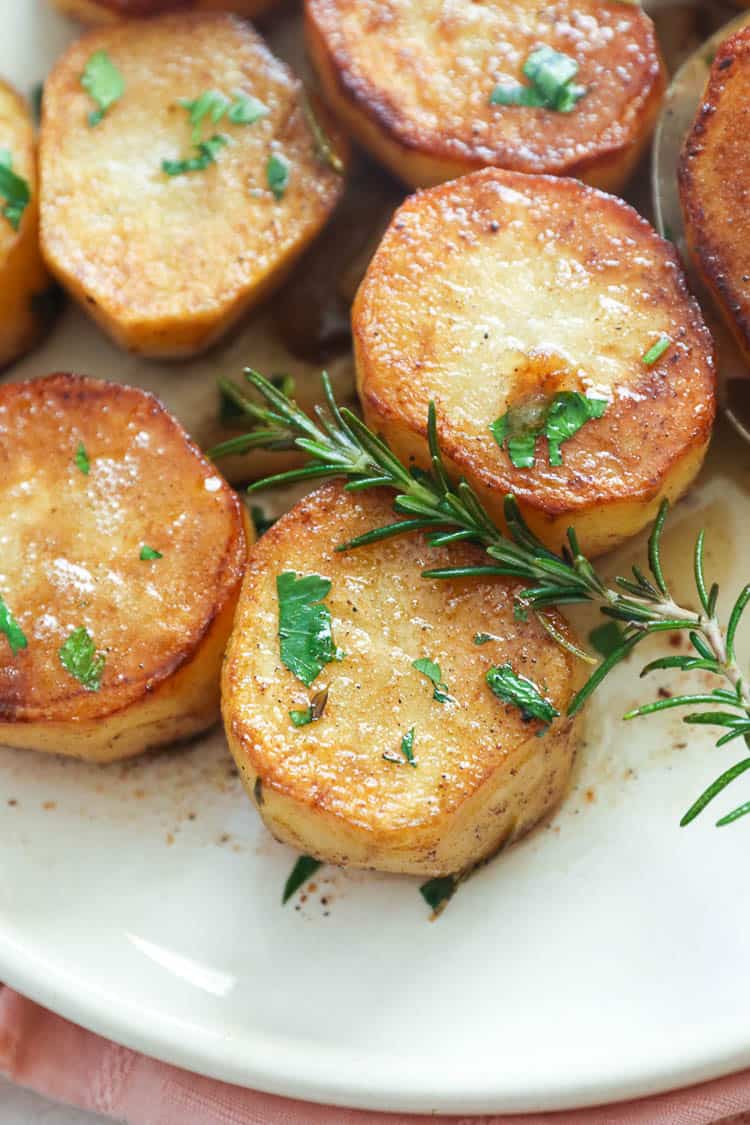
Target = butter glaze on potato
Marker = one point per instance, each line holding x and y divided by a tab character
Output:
483	776
23	276
166	264
107	11
411	80
714	178
499	286
70	556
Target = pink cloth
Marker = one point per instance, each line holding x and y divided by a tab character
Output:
67	1064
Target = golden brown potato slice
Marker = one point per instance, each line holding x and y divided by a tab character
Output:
107	11
106	649
498	292
412	81
167	263
24	281
341	788
715	185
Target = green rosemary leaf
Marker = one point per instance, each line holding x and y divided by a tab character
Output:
683	663
311	472
601	672
520	692
78	656
471	572
654	548
606	638
149	553
656	351
438	892
715	719
736	732
714	789
304	869
551	75
734	619
324	150
742	810
204	155
667	704
104	84
700	581
277	174
401	527
305	627
13	189
11	629
81	459
558	637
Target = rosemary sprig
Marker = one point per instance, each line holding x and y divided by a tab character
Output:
339	444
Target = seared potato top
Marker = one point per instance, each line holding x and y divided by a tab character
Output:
157	249
384	617
101	10
425	71
71	542
498	288
715	182
17	139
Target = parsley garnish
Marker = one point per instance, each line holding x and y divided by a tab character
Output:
82	459
14	189
558	418
606	638
431	669
12	630
551	75
148	553
303	869
79	657
438	892
244	110
277	174
313	711
305	631
482	638
205	154
655	352
522	693
103	82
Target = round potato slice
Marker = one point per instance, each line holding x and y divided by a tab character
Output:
167	259
412	81
714	179
495	295
121	558
342	788
24	281
107	11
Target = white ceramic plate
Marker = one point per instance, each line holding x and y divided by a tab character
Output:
604	957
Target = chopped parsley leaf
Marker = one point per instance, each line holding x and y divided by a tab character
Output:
431	670
438	892
13	189
277	174
148	553
212	104
245	109
550	74
606	638
313	711
204	155
81	459
558	418
511	688
304	868
104	83
12	630
78	656
305	628
657	350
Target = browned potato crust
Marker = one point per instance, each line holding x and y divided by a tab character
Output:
412	79
167	264
107	11
70	558
23	277
483	776
498	287
715	185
